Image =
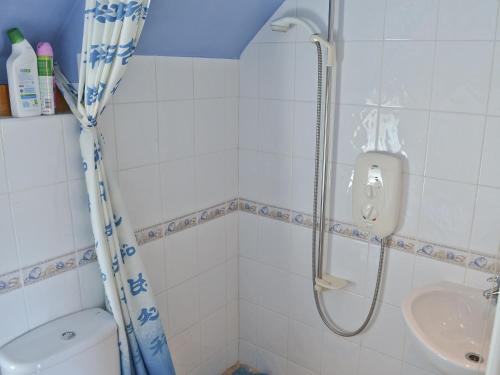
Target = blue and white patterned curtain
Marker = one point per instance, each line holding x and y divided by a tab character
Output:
111	31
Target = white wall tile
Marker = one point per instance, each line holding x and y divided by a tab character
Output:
186	349
80	214
249	72
357	132
178	187
461	76
317	12
249	174
180	257
213	334
374	363
302	306
248	235
304	131
139	84
428	271
231	282
306	71
183	306
136	145
209	125
304	346
293	369
211	181
303	186
446	212
407	74
342	193
45	163
276	71
174	78
387	334
339	355
485	236
42	222
364	20
176	129
467	20
211	244
272	331
91	286
454	149
249	124
274	243
246	279
209	78
404	132
494	101
232	78
3	176
71	133
153	258
271	363
361	64
141	190
14	316
491	154
248	321
275	183
398	274
411	19
272	288
10	260
349	260
275	126
300	251
52	298
212	290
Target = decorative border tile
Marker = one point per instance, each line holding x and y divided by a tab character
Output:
273	212
484	263
433	251
443	253
46	269
87	256
10	281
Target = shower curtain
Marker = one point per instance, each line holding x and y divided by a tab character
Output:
111	31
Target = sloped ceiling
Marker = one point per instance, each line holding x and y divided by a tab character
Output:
198	28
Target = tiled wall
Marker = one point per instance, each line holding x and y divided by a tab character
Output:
418	78
171	139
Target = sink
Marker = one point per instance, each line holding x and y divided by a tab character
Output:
452	326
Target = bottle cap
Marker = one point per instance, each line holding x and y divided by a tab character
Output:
44	49
15	35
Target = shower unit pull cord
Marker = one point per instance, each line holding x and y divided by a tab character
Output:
317	266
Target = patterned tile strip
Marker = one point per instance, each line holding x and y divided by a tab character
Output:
460	257
52	267
43	270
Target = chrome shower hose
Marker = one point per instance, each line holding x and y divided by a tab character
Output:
317	267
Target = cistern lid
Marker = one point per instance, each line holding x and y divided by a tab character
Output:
56	341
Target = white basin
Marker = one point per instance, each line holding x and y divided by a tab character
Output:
449	321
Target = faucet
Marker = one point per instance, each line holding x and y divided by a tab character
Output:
492	293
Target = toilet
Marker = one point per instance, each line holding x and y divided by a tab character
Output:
83	343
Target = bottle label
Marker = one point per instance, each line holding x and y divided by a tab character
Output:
27	88
45	66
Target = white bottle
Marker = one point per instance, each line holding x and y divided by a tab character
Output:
22	74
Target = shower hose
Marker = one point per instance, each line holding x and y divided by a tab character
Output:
319	265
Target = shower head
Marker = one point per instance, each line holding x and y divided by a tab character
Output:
285	23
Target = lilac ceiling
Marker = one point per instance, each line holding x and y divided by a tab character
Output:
201	28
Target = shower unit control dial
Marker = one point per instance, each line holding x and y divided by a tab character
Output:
376	192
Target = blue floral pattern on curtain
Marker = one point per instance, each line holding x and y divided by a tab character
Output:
111	31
